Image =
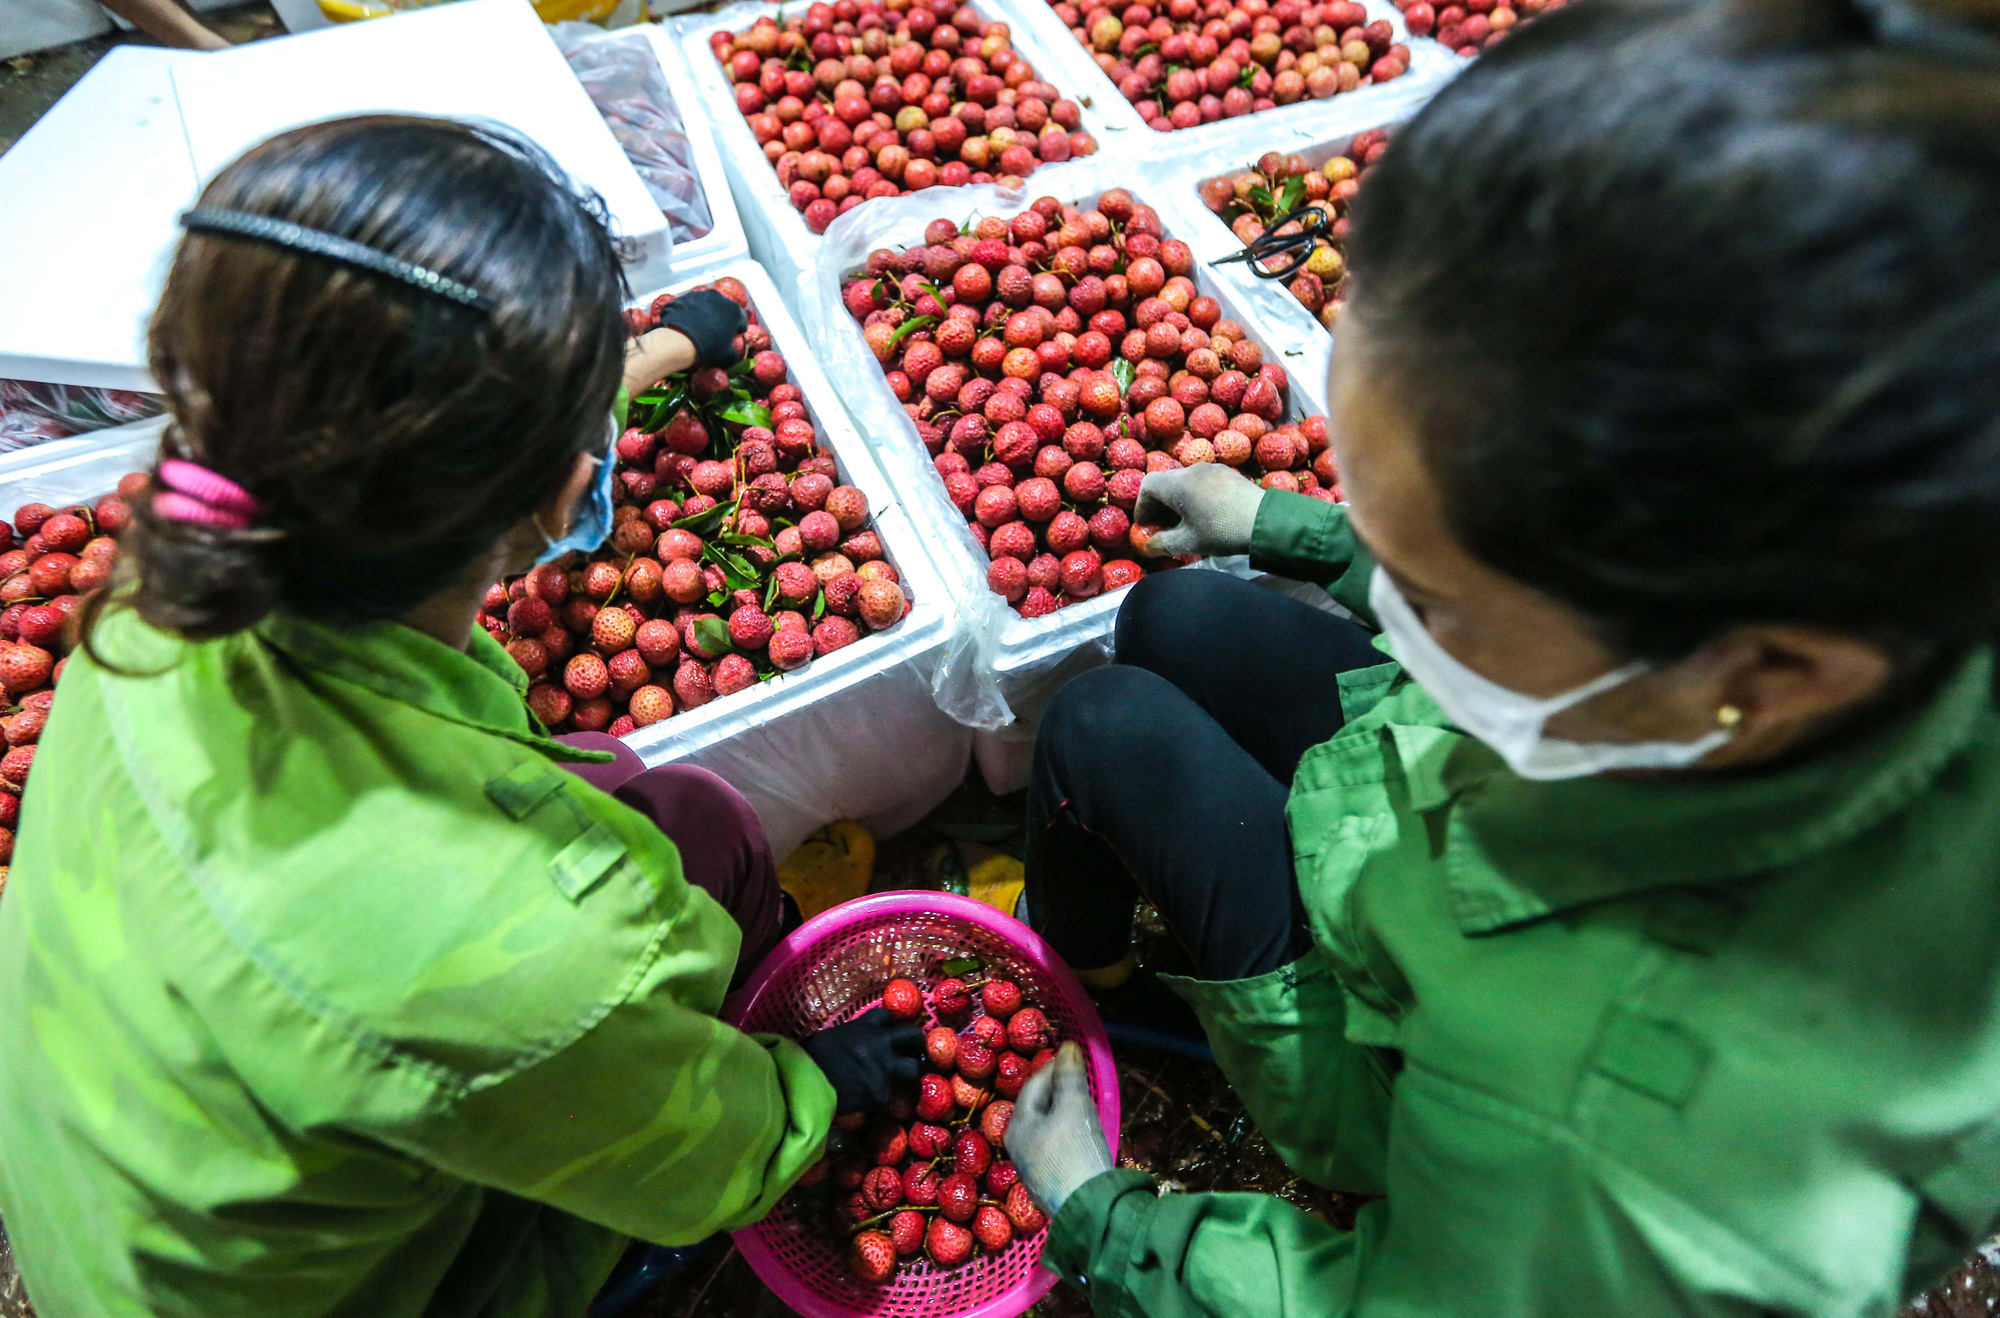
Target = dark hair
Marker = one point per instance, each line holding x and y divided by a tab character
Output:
390	434
1698	308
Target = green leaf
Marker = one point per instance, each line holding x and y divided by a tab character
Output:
1249	75
668	403
819	606
744	413
953	877
770	593
717	598
1294	193
713	634
704	524
744	541
908	327
738	572
743	367
961	965
1124	372
1260	196
1150	48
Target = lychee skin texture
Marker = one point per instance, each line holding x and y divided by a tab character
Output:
958	1197
992	1229
941	1047
948	1243
872	1257
1001	997
904	999
586	677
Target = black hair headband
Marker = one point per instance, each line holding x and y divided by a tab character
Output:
316	242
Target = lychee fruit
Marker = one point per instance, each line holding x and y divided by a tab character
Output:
872	1257
904	999
992	1228
958	1197
941	1047
1001	997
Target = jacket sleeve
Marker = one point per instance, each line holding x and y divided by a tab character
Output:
1457	1246
660	1121
1309	539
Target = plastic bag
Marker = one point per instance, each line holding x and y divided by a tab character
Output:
625	81
32	412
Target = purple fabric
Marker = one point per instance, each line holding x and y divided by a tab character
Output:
723	848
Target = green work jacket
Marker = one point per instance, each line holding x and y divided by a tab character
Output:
325	990
1715	1044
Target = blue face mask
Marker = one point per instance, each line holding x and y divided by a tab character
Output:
592	523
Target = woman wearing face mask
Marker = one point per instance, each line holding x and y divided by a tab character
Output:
327	985
1636	932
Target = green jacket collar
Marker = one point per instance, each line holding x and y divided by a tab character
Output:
479	687
1521	850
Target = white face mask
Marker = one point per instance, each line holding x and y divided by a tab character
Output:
1511	723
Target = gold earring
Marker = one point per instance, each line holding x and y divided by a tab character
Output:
1729	716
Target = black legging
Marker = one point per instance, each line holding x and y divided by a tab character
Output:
1166	774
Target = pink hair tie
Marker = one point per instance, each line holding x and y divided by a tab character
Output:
196	494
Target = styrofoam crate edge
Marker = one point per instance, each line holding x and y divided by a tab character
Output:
776	233
1431	65
725	240
932	614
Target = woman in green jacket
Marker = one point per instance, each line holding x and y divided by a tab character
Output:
1635	934
326	985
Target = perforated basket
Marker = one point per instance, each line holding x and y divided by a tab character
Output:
831	970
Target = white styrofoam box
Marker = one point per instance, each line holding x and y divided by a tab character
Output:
80	470
1001	666
855	734
1430	65
475	59
777	233
91	192
725	241
1203	230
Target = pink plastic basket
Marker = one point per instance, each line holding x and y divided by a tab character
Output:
833	968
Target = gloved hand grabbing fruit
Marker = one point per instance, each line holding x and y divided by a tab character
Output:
1205	509
867	1058
711	322
1055	1138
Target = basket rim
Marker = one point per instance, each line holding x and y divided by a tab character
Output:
918	901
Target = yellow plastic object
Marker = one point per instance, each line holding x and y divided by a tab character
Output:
550	11
832	866
987	875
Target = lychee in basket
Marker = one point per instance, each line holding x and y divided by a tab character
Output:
832	969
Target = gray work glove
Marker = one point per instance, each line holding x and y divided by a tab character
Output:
1055	1137
1208	509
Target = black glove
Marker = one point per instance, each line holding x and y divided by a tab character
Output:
711	321
866	1059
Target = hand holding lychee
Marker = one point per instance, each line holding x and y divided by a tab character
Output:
1054	1137
1204	509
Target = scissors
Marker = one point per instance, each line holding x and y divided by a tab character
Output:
1314	224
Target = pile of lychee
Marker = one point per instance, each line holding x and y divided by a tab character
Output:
1184	63
49	559
1252	201
735	554
1050	361
862	98
930	1178
1470	26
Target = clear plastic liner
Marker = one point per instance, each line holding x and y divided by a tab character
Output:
999	666
32	412
623	76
